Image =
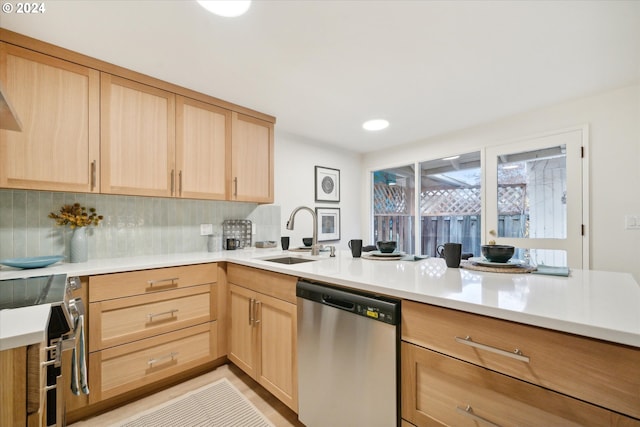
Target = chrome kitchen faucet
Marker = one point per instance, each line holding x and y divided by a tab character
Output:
314	243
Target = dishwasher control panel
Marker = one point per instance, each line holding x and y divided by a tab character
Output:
374	307
377	313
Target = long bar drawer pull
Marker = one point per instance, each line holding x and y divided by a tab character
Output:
171	356
468	412
161	281
516	354
150	316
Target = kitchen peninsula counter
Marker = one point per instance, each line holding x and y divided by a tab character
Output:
595	304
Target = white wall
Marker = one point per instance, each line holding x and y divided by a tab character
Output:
295	161
614	125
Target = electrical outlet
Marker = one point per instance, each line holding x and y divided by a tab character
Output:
253	229
206	229
632	222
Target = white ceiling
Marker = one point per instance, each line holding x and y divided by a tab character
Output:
323	67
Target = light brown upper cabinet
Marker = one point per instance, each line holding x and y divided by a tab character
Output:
137	138
251	160
156	143
203	133
58	103
90	126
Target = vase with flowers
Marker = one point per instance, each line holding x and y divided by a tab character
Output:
77	217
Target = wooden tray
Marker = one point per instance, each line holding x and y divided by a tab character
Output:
519	269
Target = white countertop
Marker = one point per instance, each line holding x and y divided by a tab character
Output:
596	304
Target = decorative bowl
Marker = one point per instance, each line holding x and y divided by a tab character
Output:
32	262
307	241
386	246
497	253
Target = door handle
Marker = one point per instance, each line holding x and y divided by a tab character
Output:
256	310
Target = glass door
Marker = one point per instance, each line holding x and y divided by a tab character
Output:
534	198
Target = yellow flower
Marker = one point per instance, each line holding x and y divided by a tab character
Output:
76	216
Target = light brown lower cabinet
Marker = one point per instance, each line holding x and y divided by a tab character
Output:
440	390
13	387
602	373
458	369
22	386
263	331
149	325
123	368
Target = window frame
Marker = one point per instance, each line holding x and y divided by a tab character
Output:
485	237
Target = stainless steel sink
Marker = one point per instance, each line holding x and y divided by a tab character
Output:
289	260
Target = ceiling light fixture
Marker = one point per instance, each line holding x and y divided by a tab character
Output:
226	8
375	124
451	158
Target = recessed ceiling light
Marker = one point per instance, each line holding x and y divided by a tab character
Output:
451	158
376	124
227	8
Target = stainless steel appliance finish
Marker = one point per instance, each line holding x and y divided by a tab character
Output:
347	358
65	318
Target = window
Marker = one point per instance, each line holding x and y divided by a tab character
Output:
528	194
394	206
451	203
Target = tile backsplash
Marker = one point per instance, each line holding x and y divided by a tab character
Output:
132	225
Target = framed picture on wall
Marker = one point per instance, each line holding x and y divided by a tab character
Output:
327	184
328	224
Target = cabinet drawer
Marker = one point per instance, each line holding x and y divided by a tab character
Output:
118	285
440	389
603	373
123	368
277	285
118	321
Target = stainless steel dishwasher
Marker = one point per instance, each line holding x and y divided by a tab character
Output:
348	346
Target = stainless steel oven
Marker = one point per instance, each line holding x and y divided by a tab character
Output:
65	332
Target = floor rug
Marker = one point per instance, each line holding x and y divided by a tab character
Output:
218	405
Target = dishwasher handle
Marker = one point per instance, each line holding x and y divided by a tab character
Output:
338	303
371	306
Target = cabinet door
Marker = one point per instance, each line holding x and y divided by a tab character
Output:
13	388
277	336
203	135
251	160
137	138
58	105
241	332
